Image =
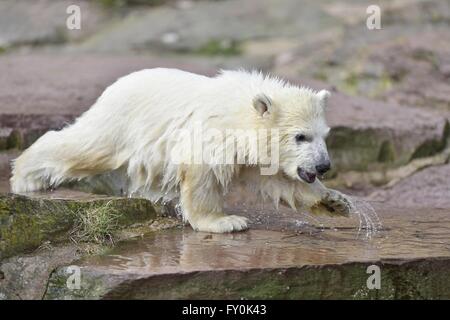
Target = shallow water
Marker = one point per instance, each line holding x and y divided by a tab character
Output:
407	234
283	238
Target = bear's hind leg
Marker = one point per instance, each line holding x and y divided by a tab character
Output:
202	204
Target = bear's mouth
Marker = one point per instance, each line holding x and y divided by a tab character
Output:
308	177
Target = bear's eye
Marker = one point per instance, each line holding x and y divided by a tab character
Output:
300	137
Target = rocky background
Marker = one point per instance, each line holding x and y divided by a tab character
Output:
391	87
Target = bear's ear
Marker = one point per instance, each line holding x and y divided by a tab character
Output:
323	96
262	104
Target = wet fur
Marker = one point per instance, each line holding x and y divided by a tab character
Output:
132	125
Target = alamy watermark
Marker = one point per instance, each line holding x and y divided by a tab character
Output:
212	146
73	281
374	280
373	21
73	21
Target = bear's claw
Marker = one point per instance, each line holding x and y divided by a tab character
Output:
334	203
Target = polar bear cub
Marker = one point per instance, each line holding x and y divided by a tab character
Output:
182	135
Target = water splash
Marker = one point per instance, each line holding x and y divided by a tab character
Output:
368	219
179	210
367	216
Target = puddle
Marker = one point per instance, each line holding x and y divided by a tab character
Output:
404	236
184	250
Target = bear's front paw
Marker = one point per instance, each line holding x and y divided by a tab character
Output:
334	203
221	224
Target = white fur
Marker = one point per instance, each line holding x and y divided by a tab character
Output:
132	127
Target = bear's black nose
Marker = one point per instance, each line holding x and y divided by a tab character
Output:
323	167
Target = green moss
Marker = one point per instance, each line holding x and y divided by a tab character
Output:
431	147
354	149
26	222
15	140
385	84
3	144
354	83
12	141
220	48
350	85
446	133
418	279
428	148
372	149
387	152
320	75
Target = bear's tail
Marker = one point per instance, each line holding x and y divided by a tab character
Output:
59	156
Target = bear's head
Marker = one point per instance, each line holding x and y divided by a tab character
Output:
299	116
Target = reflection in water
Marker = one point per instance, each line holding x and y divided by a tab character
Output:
175	250
407	234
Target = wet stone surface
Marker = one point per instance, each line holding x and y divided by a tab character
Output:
279	258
